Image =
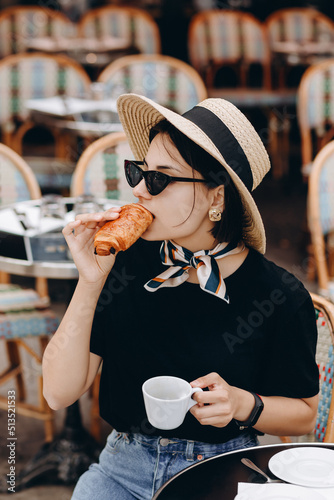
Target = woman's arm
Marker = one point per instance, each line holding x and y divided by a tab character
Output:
280	416
69	367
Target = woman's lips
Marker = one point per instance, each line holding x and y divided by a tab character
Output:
147	209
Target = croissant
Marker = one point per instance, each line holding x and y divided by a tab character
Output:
121	233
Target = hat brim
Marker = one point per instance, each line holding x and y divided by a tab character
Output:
138	114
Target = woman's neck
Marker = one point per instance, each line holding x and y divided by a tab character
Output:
208	242
227	266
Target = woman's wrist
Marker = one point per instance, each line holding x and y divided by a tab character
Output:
92	286
245	404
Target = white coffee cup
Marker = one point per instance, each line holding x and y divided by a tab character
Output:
167	400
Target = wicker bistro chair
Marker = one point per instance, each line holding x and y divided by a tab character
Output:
25	315
324	428
99	172
301	25
321	218
167	80
19	24
33	76
315	110
130	23
315	113
219	38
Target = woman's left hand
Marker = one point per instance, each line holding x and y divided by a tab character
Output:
221	403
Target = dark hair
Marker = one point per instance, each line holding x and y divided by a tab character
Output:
230	228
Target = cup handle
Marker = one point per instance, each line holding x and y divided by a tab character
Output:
192	402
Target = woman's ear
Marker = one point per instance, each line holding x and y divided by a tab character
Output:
218	198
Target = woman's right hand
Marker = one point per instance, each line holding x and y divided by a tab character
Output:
79	236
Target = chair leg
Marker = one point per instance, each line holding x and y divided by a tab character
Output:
281	77
273	144
243	75
330	244
49	427
311	271
42	287
285	439
15	361
95	425
279	131
4	278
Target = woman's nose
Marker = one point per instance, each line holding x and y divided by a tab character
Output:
140	191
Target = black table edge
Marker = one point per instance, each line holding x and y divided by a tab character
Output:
242	450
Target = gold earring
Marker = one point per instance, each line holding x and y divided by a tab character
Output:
215	214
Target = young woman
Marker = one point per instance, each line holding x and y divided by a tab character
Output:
194	298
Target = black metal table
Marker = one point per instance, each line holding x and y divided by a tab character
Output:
217	478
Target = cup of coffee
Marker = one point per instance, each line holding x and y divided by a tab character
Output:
167	400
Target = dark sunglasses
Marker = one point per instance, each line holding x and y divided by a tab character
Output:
155	181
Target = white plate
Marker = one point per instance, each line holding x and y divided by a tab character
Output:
278	492
304	466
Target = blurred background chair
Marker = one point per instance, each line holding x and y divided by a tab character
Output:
169	81
220	39
100	169
324	428
315	111
298	37
321	218
20	24
130	23
25	315
100	173
36	76
315	114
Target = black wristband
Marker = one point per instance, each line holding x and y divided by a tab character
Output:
255	414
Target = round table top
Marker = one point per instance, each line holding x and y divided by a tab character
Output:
86	117
303	47
56	269
217	478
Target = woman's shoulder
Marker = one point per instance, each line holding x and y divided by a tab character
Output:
277	281
143	250
142	257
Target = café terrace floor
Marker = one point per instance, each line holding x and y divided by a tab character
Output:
282	204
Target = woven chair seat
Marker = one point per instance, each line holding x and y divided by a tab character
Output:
325	359
24	313
324	426
26	319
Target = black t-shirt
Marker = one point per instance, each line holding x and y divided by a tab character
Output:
264	340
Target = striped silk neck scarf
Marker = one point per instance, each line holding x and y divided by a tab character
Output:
180	260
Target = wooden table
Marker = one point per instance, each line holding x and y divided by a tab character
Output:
93	54
76	122
82	117
302	52
217	478
256	98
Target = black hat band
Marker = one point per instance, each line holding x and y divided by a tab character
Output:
224	140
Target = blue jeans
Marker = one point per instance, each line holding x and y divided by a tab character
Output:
135	466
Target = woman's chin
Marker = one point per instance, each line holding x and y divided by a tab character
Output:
150	237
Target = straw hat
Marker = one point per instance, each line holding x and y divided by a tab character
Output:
220	129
